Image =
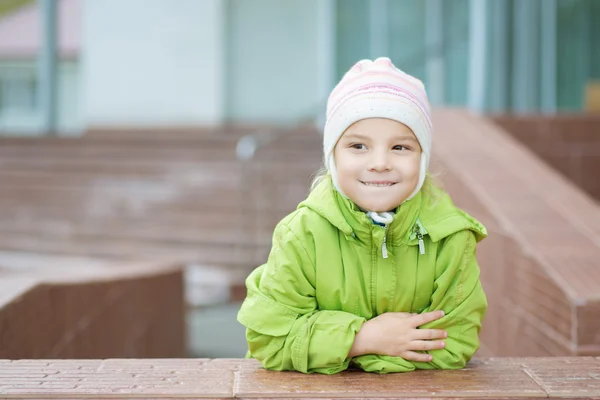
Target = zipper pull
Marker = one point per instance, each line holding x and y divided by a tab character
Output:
421	246
384	252
421	242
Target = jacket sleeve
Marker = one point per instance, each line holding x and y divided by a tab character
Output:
457	291
285	330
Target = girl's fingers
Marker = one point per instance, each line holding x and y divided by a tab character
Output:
423	345
429	334
427	317
414	356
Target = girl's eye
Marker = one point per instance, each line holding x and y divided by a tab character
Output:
358	146
400	147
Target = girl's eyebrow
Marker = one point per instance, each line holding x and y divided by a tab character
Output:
411	138
357	136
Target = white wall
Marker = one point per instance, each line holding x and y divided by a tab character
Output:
274	60
152	62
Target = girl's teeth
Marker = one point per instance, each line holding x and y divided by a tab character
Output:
378	184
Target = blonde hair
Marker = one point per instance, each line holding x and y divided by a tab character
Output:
433	186
318	177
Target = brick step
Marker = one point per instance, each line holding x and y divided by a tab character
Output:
16	158
13	212
147	202
215	254
235	233
207	174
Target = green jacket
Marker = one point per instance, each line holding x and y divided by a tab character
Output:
326	275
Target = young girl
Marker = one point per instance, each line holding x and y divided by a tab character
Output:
376	268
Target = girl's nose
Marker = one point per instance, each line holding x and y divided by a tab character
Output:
379	162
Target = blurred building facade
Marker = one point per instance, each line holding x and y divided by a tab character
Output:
189	63
20	45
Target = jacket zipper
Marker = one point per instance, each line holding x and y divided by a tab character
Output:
421	242
384	251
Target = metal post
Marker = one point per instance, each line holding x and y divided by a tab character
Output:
499	60
47	62
434	43
525	89
477	55
327	60
548	48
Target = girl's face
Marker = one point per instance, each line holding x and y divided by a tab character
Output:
378	162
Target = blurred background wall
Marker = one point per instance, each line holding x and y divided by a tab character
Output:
197	63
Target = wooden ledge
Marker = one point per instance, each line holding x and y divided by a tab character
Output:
515	378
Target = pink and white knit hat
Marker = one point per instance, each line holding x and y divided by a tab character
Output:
377	89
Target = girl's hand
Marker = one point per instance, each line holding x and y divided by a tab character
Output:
398	334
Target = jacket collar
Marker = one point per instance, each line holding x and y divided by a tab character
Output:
350	220
431	208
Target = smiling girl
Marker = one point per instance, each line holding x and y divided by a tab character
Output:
377	267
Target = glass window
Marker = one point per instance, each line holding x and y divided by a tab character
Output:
577	51
17	90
